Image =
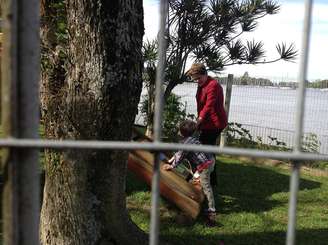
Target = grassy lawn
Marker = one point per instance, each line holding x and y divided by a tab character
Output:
252	203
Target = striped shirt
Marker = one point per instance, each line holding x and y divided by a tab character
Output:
198	160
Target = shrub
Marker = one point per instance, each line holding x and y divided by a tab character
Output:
174	112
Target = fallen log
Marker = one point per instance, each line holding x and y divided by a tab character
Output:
186	196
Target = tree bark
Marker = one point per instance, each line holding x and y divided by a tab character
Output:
151	71
91	84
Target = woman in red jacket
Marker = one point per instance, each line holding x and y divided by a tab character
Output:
212	118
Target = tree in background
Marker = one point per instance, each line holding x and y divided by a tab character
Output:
90	88
149	51
318	84
211	32
244	78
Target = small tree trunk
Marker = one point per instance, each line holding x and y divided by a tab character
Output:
168	89
151	110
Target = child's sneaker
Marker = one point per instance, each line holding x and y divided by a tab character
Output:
211	218
221	242
209	210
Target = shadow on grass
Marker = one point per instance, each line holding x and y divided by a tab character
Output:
246	188
241	188
303	237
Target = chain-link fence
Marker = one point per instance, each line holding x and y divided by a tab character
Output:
267	110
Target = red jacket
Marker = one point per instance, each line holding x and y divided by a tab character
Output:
210	105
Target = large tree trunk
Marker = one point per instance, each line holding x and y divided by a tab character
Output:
90	86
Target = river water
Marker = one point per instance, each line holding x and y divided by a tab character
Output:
271	111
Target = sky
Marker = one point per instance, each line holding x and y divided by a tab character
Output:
286	26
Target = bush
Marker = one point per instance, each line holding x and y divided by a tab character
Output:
239	136
174	113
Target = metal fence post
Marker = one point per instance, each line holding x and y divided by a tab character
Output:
20	119
227	107
294	181
154	221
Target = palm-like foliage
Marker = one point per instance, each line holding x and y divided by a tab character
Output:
254	52
149	51
236	50
211	31
286	53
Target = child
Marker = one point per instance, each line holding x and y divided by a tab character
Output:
203	162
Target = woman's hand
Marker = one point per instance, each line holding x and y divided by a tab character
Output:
199	122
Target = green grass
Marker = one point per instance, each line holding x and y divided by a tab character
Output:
252	203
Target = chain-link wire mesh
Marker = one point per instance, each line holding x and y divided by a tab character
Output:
268	112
